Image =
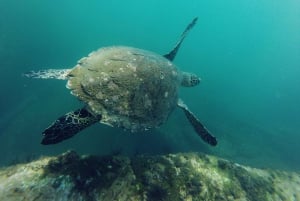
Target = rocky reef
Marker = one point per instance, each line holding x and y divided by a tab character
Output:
187	176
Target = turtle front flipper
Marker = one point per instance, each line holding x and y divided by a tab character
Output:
68	125
172	54
198	126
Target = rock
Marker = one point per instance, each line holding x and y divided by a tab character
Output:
187	176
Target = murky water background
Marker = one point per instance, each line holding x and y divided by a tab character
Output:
246	52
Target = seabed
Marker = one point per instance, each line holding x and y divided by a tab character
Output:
172	177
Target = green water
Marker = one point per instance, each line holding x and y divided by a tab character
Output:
246	52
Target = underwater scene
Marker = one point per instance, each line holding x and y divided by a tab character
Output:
226	119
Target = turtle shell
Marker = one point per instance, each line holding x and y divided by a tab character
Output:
130	88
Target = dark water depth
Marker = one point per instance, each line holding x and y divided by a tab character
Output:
246	52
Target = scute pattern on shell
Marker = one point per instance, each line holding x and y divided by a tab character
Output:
131	88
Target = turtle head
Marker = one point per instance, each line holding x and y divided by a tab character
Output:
189	79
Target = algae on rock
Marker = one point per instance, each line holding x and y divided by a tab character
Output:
188	176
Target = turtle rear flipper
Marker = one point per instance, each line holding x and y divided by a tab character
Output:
198	126
68	125
59	74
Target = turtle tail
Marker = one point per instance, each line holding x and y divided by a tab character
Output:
60	74
68	125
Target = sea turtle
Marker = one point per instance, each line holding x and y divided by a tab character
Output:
125	87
